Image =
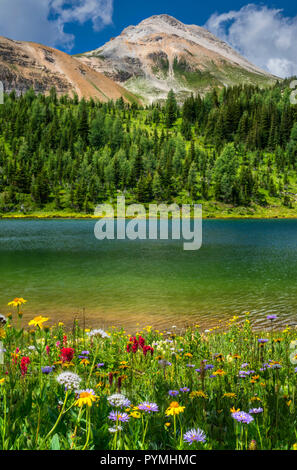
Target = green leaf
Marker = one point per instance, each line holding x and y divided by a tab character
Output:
55	443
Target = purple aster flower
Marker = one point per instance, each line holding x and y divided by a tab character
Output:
148	407
243	373
262	340
271	317
191	365
47	369
244	365
101	364
118	416
194	435
184	390
209	366
85	353
242	417
295	370
255	411
173	393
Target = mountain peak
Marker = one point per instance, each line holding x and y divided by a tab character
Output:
164	17
162	53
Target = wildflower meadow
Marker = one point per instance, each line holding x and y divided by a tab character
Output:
228	387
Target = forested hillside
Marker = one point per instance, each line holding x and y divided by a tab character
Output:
234	147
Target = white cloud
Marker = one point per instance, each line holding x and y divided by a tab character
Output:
263	35
44	20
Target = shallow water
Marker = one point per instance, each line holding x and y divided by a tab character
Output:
59	266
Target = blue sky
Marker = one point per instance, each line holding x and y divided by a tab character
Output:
127	12
264	32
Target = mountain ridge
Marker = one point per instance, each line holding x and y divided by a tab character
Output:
161	53
25	65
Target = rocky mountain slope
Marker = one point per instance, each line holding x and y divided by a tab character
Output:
25	64
162	53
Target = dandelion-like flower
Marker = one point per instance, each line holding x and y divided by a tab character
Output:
85	397
118	400
118	416
242	417
17	302
174	409
148	407
38	321
194	435
70	380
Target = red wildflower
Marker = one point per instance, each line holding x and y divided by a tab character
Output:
24	362
110	378
120	380
133	344
141	341
147	349
67	354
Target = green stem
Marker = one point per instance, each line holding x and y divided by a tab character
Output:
58	420
88	428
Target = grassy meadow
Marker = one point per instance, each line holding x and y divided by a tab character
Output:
229	387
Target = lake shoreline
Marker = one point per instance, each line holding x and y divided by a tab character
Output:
210	211
49	216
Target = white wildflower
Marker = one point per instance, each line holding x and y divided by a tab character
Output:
98	332
115	429
118	400
69	379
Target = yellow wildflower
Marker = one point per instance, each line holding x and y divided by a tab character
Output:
17	302
38	321
219	372
86	397
198	394
230	395
174	409
85	362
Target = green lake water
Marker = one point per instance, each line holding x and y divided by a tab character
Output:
61	269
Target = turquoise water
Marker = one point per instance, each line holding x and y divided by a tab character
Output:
61	269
